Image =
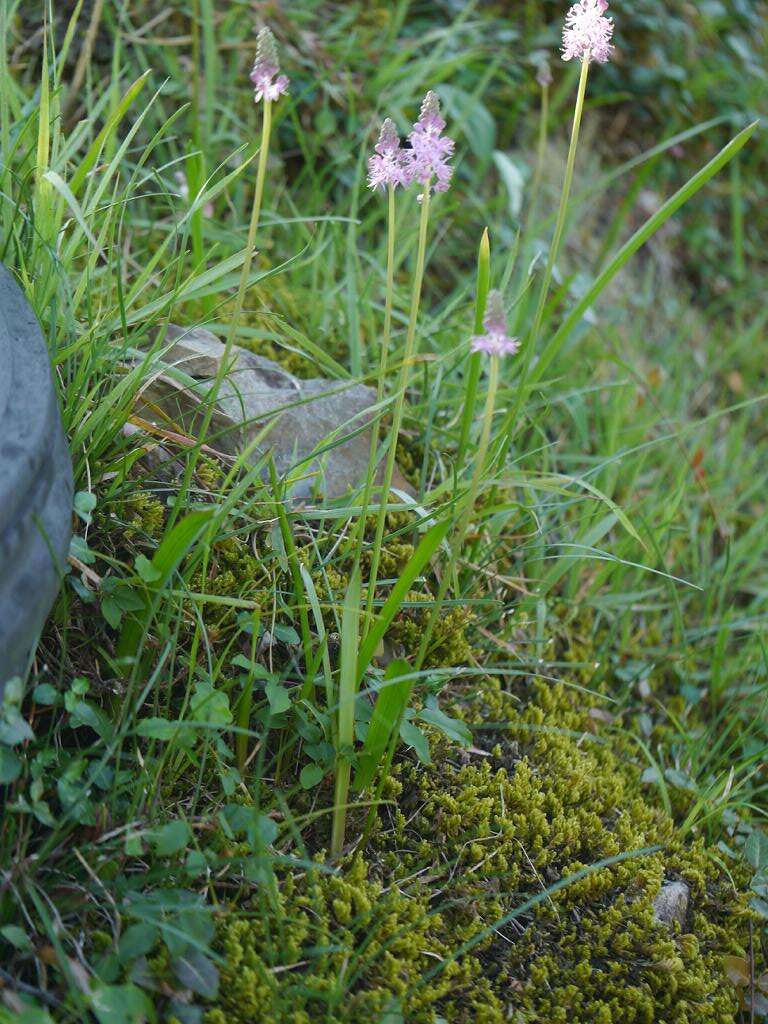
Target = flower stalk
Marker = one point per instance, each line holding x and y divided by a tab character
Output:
510	425
494	343
428	163
386	170
397	414
586	36
475	358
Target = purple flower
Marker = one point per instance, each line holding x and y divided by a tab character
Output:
544	75
430	149
387	166
495	341
587	33
266	75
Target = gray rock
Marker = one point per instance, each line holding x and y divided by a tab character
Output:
35	482
672	904
264	408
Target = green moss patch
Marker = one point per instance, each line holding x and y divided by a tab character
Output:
461	845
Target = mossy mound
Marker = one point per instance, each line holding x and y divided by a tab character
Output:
461	847
337	948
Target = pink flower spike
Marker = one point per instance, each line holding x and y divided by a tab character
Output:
495	341
387	165
544	75
266	77
428	158
587	32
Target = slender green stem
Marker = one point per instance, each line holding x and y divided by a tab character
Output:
258	194
350	641
223	366
457	542
397	415
390	286
383	365
554	251
475	358
195	167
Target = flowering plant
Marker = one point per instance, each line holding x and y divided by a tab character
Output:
495	341
265	75
587	33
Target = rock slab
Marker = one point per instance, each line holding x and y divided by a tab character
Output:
35	482
316	431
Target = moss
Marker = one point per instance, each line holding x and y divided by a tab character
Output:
209	473
144	516
449	644
233	571
468	841
338	948
547	802
410	456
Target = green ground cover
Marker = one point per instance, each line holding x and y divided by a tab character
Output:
587	720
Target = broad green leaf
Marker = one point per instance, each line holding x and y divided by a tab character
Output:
17	937
197	972
311	776
84	504
145	570
450	727
210	705
278	697
513	180
158	728
10	766
171	838
121	1004
756	850
412	735
136	940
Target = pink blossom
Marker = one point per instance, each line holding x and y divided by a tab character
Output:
495	341
544	75
428	158
387	166
266	75
587	33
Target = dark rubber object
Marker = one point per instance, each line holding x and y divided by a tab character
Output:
35	482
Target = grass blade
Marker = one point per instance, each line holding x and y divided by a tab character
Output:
420	558
390	705
174	547
637	240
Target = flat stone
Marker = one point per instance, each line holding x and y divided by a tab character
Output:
263	408
35	482
672	904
